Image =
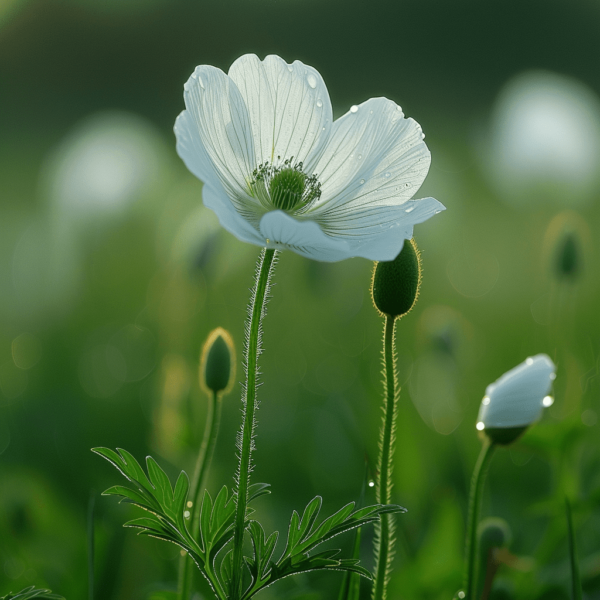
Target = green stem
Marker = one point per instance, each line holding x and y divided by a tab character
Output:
384	530
187	568
252	349
477	482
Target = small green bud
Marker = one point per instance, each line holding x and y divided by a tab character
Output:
395	284
568	259
217	363
493	533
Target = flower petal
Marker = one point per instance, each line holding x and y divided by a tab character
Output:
215	197
220	121
289	108
378	232
303	237
516	398
374	157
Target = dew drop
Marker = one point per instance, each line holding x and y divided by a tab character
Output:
399	108
319	103
362	182
312	81
548	401
553	376
486	400
422	135
189	504
410	209
480	426
371	483
359	156
388	174
354	108
529	361
437	212
186	514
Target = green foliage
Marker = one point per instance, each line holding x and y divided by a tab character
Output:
166	520
575	576
32	592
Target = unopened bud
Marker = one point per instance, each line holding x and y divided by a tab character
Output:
395	285
493	533
517	399
217	363
568	257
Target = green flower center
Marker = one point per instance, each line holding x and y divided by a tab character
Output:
284	187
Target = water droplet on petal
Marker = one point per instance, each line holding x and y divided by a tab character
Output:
354	108
388	174
486	400
312	81
410	209
422	135
362	182
437	212
359	156
319	103
398	108
529	361
480	426
553	376
548	401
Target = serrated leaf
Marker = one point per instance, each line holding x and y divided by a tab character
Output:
127	493
160	481
256	490
32	592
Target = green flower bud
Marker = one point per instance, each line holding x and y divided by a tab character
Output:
568	262
217	363
493	533
395	284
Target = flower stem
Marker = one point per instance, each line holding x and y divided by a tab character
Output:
211	431
477	482
384	530
245	441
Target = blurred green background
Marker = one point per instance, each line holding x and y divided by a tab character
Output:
112	274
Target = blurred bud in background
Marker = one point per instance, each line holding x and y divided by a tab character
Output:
545	141
217	363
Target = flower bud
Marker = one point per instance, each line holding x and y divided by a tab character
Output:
493	533
568	257
517	399
395	284
217	363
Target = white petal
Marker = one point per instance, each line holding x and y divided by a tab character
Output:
516	399
303	237
220	121
378	232
289	108
215	197
374	157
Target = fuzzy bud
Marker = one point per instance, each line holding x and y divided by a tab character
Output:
217	363
395	284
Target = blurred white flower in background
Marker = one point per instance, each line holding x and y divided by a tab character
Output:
278	172
545	141
518	397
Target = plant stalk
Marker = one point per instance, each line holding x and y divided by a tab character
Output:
187	568
245	441
384	530
475	495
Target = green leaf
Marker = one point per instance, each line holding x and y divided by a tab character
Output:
32	592
575	576
256	490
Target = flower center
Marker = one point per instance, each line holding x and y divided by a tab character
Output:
285	187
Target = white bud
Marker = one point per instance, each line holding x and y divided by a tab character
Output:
519	396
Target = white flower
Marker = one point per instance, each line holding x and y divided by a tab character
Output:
519	396
278	172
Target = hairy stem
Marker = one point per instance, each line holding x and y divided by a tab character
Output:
384	530
187	568
477	482
245	441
